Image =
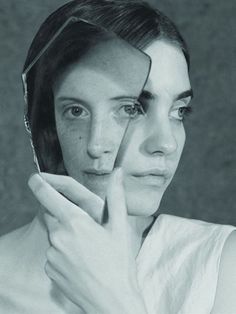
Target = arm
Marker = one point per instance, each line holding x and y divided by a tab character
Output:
225	300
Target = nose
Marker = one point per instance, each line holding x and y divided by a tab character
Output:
100	139
161	139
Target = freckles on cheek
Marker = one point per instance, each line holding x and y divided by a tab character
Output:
71	133
73	144
74	152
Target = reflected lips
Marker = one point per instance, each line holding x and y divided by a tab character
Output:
97	173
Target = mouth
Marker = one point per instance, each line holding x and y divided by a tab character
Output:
96	180
97	173
155	177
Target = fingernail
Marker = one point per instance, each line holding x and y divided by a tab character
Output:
43	175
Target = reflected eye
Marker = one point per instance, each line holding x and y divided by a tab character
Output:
131	110
76	111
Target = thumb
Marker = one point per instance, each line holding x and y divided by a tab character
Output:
116	203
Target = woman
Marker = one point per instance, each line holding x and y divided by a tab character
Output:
121	259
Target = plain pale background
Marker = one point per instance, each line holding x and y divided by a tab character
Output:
204	186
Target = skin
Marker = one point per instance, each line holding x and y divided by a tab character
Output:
75	229
87	269
153	141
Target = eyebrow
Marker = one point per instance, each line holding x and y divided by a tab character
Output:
150	96
185	94
83	102
124	97
74	99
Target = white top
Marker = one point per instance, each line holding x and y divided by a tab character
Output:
178	265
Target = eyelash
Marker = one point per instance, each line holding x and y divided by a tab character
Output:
183	111
138	106
68	112
83	112
186	111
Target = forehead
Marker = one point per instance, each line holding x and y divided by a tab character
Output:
84	82
169	70
111	65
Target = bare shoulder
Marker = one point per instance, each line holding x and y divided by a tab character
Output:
13	235
10	250
225	300
10	241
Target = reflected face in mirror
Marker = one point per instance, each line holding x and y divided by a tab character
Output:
92	110
92	113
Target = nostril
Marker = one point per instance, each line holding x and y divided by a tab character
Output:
160	144
95	150
158	153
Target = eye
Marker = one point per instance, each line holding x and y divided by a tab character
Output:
76	111
131	110
181	112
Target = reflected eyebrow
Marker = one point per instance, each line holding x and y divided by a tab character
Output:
62	101
123	97
73	99
83	102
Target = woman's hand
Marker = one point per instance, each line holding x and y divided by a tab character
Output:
91	263
78	194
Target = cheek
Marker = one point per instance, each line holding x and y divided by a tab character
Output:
180	136
143	201
73	142
73	150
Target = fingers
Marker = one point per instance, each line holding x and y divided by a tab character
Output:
50	221
77	193
53	201
51	266
116	202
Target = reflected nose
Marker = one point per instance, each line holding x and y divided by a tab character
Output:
161	139
100	140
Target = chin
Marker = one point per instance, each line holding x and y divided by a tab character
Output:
99	191
143	205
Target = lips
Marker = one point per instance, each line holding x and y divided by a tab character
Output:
152	172
98	172
97	179
156	177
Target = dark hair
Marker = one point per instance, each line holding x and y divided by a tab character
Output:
134	21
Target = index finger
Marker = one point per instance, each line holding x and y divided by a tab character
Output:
116	203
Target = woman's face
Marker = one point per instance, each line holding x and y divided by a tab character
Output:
91	117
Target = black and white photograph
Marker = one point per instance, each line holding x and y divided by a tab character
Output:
118	157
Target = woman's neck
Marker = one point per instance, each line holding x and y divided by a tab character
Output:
139	228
